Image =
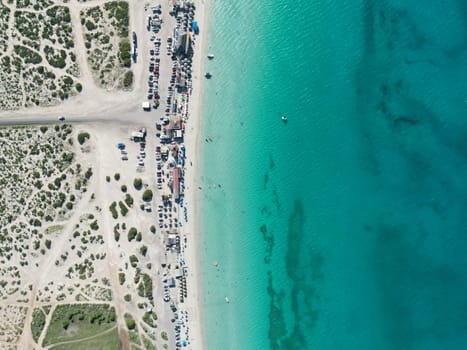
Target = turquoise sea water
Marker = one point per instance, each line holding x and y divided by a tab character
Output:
345	228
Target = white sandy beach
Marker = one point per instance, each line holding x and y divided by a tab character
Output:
193	143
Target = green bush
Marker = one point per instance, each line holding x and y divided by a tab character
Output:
133	261
143	250
147	196
150	318
88	173
90	25
123	208
113	210
129	200
138	183
124	54
128	79
123	188
121	278
82	137
117	176
37	323
28	55
94	226
79	87
130	324
145	286
132	232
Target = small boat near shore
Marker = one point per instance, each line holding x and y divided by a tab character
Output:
284	118
227	300
211	56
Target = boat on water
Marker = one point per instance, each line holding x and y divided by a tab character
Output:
284	118
227	300
211	56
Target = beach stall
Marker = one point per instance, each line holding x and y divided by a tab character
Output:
195	27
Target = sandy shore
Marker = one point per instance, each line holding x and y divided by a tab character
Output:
193	145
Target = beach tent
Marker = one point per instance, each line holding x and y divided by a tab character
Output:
194	26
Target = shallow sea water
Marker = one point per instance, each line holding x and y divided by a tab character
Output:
344	228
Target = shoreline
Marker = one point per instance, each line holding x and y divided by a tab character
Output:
193	143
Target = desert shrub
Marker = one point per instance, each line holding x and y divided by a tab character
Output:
129	200
82	137
123	208
130	324
132	232
138	183
147	195
128	79
37	323
133	261
94	226
121	278
124	53
28	55
113	210
88	173
143	250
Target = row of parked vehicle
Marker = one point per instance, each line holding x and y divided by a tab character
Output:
153	79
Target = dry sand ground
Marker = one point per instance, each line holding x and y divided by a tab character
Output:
122	112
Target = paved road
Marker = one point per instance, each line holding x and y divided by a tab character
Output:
147	119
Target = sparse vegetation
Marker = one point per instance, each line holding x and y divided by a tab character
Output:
121	278
86	319
82	137
129	200
107	42
113	210
132	232
123	208
37	323
138	183
147	195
